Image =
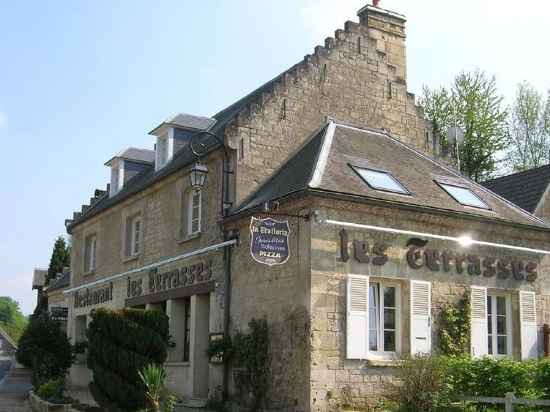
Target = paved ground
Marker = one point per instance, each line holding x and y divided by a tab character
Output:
14	389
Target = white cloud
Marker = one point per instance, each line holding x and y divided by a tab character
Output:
3	119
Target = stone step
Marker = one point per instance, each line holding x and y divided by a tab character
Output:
192	405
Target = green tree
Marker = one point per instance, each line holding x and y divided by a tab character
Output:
473	104
61	258
529	135
11	318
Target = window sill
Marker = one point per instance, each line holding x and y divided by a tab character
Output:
174	364
381	363
189	238
127	259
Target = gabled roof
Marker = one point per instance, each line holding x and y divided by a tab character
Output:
8	338
324	163
525	189
187	121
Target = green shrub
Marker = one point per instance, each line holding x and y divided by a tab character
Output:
44	348
454	328
154	378
52	390
120	344
421	384
493	377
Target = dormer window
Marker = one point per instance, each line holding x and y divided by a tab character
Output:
125	165
164	147
117	176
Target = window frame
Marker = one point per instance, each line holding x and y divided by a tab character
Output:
190	209
443	184
356	169
133	239
493	316
383	354
90	256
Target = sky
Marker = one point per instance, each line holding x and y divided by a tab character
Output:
80	81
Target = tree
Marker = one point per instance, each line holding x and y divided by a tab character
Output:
529	129
61	258
45	348
473	104
11	318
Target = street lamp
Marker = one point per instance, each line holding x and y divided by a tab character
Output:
198	174
199	170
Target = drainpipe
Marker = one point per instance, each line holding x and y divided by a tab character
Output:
227	252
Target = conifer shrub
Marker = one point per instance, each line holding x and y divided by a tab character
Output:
120	344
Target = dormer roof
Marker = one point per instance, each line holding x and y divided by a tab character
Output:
135	155
184	121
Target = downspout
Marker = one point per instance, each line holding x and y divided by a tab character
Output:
227	252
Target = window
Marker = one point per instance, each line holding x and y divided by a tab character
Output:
498	328
162	151
133	236
187	334
194	212
381	180
464	196
90	247
383	317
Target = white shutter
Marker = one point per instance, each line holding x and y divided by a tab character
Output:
421	324
478	338
357	317
528	329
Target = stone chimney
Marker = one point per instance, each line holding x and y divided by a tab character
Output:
387	29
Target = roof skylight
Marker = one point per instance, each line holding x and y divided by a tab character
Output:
463	196
381	180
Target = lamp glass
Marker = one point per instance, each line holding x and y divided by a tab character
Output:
198	175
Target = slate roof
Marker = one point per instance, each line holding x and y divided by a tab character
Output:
323	165
63	282
135	154
525	189
181	159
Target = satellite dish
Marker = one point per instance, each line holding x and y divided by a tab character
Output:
455	135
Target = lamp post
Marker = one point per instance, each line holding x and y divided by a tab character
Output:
199	171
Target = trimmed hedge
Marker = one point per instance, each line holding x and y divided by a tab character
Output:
120	344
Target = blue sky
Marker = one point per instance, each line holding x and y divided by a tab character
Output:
79	81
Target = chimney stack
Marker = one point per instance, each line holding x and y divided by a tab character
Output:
387	31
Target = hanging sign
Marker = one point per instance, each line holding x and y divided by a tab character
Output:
269	241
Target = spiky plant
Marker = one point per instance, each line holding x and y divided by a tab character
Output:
153	377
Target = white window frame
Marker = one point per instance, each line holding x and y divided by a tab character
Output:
135	239
494	336
166	143
120	182
91	255
382	354
190	209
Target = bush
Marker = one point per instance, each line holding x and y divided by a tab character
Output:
52	390
44	348
493	377
120	344
454	328
421	384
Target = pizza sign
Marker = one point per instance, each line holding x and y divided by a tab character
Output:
269	241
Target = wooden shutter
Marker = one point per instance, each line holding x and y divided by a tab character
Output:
357	317
528	329
421	323
478	338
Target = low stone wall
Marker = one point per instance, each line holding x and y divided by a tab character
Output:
40	405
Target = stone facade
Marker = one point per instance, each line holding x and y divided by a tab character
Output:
358	77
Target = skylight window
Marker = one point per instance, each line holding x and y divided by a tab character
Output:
381	180
464	196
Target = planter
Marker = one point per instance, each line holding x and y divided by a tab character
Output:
40	405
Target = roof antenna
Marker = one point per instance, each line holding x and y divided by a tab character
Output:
376	3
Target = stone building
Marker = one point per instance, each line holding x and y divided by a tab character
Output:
324	212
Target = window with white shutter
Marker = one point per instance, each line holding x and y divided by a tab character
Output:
421	320
499	328
384	304
357	317
528	329
479	332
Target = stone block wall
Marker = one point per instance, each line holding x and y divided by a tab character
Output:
358	77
